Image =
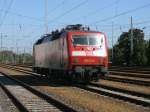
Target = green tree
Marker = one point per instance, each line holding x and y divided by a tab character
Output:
139	49
122	48
118	55
110	54
148	53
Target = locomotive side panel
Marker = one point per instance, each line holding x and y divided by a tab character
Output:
52	55
58	54
47	55
39	55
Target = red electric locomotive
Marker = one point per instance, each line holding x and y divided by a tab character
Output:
75	52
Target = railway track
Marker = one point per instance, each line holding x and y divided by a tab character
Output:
146	72
129	96
134	76
28	99
125	74
117	93
120	90
110	78
120	72
130	74
130	68
131	81
26	66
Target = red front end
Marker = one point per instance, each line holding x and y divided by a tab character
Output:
87	49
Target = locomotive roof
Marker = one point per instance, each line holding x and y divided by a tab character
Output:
56	34
43	38
83	31
49	37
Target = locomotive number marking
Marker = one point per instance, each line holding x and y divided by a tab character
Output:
89	60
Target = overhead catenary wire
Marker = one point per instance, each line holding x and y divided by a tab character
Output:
117	26
6	12
99	25
45	23
46	14
27	17
21	15
123	13
2	7
56	7
99	9
70	10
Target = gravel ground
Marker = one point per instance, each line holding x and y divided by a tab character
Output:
90	101
5	103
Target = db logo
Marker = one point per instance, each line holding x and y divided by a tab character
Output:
88	48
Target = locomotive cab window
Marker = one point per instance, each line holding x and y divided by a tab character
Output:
92	40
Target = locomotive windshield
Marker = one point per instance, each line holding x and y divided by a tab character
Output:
85	40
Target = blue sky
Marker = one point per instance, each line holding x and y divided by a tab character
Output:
22	21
